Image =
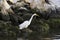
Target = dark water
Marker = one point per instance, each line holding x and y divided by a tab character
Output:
55	37
40	39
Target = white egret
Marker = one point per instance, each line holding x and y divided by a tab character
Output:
25	24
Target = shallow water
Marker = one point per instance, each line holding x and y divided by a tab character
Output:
55	37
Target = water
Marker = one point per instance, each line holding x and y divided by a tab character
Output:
55	37
41	39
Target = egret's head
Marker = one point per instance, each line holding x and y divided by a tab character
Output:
35	14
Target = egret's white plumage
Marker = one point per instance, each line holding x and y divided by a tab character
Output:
25	24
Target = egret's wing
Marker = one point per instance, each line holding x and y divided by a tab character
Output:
23	25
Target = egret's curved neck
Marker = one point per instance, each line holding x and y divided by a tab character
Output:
31	18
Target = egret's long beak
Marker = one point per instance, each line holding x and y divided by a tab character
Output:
37	15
